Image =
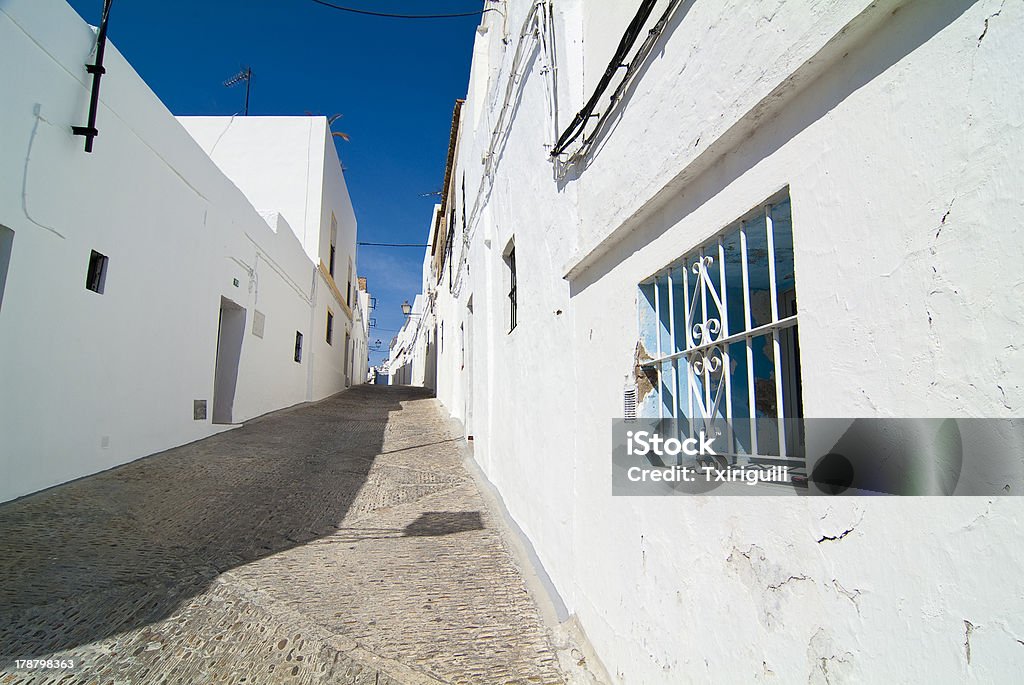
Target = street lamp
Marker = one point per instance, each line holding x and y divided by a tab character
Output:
406	308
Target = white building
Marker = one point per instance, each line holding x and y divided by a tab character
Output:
289	170
152	296
412	358
880	144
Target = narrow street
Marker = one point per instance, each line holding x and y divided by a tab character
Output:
341	541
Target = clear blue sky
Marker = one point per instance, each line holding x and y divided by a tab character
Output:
395	81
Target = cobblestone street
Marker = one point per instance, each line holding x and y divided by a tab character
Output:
341	541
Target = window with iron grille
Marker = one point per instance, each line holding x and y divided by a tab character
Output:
510	261
298	347
719	334
330	327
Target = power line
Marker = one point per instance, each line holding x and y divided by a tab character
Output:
399	16
578	125
395	244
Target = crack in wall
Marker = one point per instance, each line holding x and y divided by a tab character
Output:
833	538
852	595
984	31
778	586
840	536
828	661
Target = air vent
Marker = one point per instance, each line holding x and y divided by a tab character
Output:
629	402
258	322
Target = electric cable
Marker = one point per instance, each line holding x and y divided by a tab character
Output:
578	125
394	244
388	15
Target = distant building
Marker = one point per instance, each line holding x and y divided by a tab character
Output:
150	295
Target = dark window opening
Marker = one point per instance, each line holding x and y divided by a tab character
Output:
6	247
298	347
96	277
510	259
330	327
334	241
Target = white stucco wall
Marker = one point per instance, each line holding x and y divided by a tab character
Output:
896	127
290	165
274	161
92	380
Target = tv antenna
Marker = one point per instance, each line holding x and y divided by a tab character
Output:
244	75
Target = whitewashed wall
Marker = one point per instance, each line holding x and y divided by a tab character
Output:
90	381
290	165
897	127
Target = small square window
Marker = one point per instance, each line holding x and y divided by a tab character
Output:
330	327
96	277
298	347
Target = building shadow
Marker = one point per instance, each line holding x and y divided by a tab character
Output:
122	549
432	523
429	524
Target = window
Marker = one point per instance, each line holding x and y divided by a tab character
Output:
96	276
6	247
348	359
334	242
348	290
298	347
510	262
330	326
719	328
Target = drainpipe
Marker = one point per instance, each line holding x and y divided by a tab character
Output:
97	71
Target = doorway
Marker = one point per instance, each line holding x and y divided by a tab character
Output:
467	367
348	359
230	332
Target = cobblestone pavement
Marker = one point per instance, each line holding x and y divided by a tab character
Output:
341	541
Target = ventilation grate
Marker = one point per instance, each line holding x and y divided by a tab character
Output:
629	402
258	322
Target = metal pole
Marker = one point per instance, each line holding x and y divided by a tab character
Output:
248	80
776	340
748	340
97	71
